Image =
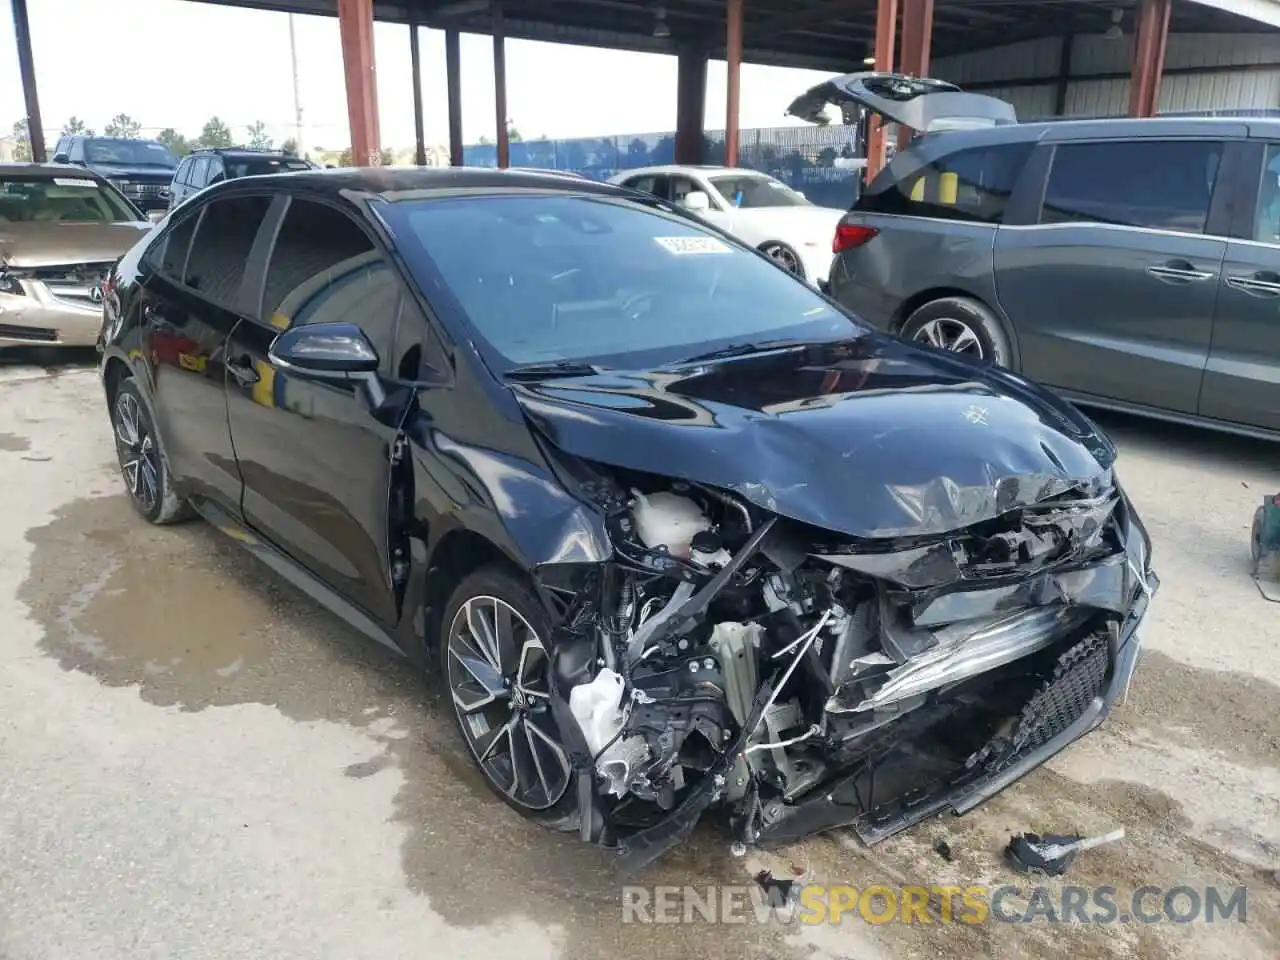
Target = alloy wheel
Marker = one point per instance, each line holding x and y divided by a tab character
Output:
498	677
782	256
948	334
136	448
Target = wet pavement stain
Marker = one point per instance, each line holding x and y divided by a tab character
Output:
194	622
12	443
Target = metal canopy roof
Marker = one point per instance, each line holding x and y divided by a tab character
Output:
822	34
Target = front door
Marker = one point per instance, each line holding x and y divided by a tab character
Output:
1242	381
190	305
315	461
1112	292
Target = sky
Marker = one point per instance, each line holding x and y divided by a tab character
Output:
176	63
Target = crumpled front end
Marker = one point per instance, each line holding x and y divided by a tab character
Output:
806	681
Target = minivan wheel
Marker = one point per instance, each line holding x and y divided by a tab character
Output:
497	670
961	325
142	462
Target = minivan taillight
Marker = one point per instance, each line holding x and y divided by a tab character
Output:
850	235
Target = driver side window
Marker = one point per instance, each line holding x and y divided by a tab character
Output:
325	269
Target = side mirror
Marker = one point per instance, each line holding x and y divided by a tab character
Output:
332	351
61	158
696	200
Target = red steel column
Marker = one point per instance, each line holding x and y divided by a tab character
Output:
453	81
1151	35
917	41
355	25
691	105
500	88
886	27
733	58
26	67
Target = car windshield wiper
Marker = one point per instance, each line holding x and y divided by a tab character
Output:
746	349
552	368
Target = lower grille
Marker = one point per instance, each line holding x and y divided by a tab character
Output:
1078	678
34	334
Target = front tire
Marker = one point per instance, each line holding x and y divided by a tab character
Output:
783	256
497	670
961	325
142	461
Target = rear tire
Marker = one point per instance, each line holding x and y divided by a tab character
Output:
143	464
961	325
496	671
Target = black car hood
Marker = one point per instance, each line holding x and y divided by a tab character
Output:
873	437
113	171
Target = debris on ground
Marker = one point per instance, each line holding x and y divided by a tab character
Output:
1052	854
943	849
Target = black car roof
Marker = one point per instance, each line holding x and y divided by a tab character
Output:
391	183
245	152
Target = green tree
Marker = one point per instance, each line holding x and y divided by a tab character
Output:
215	133
289	148
22	142
258	139
76	127
175	141
385	158
513	135
123	125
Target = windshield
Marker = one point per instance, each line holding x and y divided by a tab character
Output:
548	278
129	153
61	199
257	166
755	191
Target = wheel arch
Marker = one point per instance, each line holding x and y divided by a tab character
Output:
458	554
918	300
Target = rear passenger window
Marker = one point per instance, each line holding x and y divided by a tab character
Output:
324	269
221	247
973	185
1159	184
173	252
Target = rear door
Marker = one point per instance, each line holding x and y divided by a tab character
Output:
191	304
315	461
1112	292
1242	380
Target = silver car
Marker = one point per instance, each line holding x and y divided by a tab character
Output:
60	232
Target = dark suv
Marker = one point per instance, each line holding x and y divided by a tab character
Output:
140	169
1131	264
204	167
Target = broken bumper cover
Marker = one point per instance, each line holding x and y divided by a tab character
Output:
1075	696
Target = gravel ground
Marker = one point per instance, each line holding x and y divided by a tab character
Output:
198	762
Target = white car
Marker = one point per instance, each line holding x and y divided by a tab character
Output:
754	207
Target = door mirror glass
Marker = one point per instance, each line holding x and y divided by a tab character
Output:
696	200
330	350
61	158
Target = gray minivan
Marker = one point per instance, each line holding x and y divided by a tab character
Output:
1130	264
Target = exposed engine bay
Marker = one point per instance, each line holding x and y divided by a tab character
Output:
805	681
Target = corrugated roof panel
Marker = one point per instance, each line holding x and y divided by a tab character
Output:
1016	61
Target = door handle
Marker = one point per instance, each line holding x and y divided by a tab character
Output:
1178	271
242	369
1264	283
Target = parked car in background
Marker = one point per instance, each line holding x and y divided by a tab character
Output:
758	209
60	232
201	168
675	529
1130	264
140	169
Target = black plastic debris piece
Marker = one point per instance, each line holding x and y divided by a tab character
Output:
943	849
1051	854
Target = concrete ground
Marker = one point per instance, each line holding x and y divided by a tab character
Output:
197	762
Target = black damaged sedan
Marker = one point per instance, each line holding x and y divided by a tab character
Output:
677	533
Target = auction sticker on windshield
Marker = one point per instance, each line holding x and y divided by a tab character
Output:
687	245
68	182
